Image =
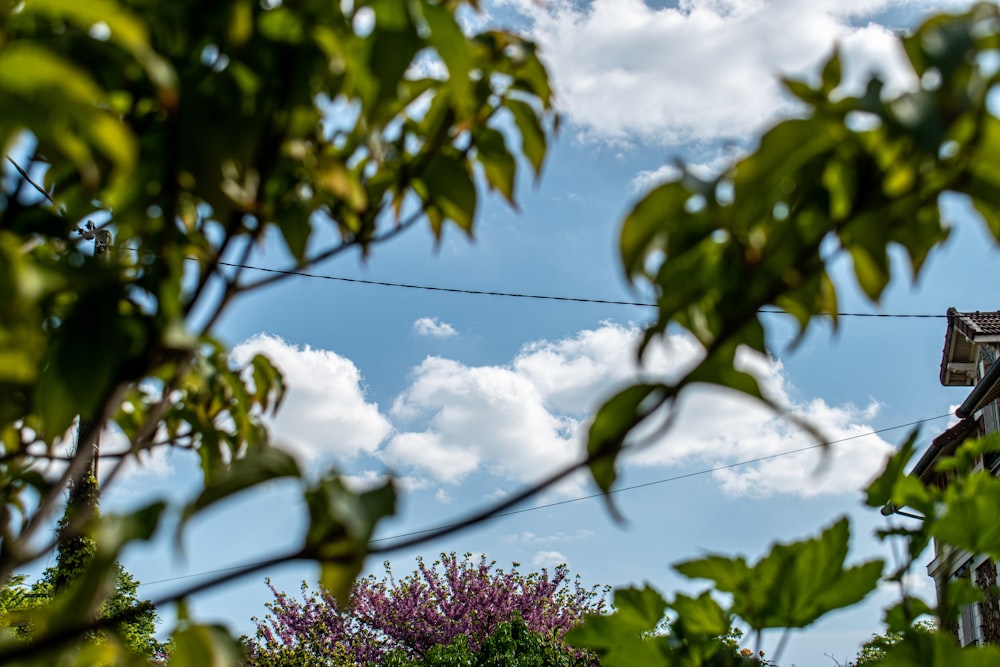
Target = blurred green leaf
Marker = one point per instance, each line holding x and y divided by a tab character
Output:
610	427
450	189
761	594
257	467
194	645
340	524
532	134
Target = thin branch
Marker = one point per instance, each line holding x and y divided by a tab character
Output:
278	275
26	177
235	218
72	633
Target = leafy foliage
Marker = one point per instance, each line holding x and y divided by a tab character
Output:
455	611
851	177
194	131
199	129
874	650
796	584
22	605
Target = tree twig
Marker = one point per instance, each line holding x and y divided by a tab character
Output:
26	177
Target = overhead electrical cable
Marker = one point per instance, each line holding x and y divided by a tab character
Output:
623	489
457	290
520	295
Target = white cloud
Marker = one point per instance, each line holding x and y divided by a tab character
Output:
548	559
521	421
478	417
526	419
647	179
432	326
325	413
702	70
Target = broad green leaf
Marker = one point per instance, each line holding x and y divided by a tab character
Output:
257	467
450	189
729	574
612	423
118	530
880	491
623	637
938	649
30	70
123	27
831	73
498	164
644	230
904	613
967	519
282	24
194	645
762	595
533	143
269	385
295	230
447	39
393	44
340	524
701	615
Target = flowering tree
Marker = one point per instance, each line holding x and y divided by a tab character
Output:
460	602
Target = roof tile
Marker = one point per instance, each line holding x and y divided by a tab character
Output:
979	323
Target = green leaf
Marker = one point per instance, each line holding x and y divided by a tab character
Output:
701	615
140	525
269	385
450	188
729	574
447	39
295	230
281	24
970	507
391	48
533	143
340	525
498	164
762	595
612	423
831	73
124	27
902	615
938	649
257	467
644	230
880	491
203	646
623	637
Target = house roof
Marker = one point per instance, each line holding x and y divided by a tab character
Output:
966	331
944	445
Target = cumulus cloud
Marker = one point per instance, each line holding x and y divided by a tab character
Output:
478	417
522	420
432	326
325	413
704	69
527	418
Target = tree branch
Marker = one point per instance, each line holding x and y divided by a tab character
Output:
27	178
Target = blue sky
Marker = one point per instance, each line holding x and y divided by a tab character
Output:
467	398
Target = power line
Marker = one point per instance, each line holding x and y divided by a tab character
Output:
519	295
568	501
456	290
